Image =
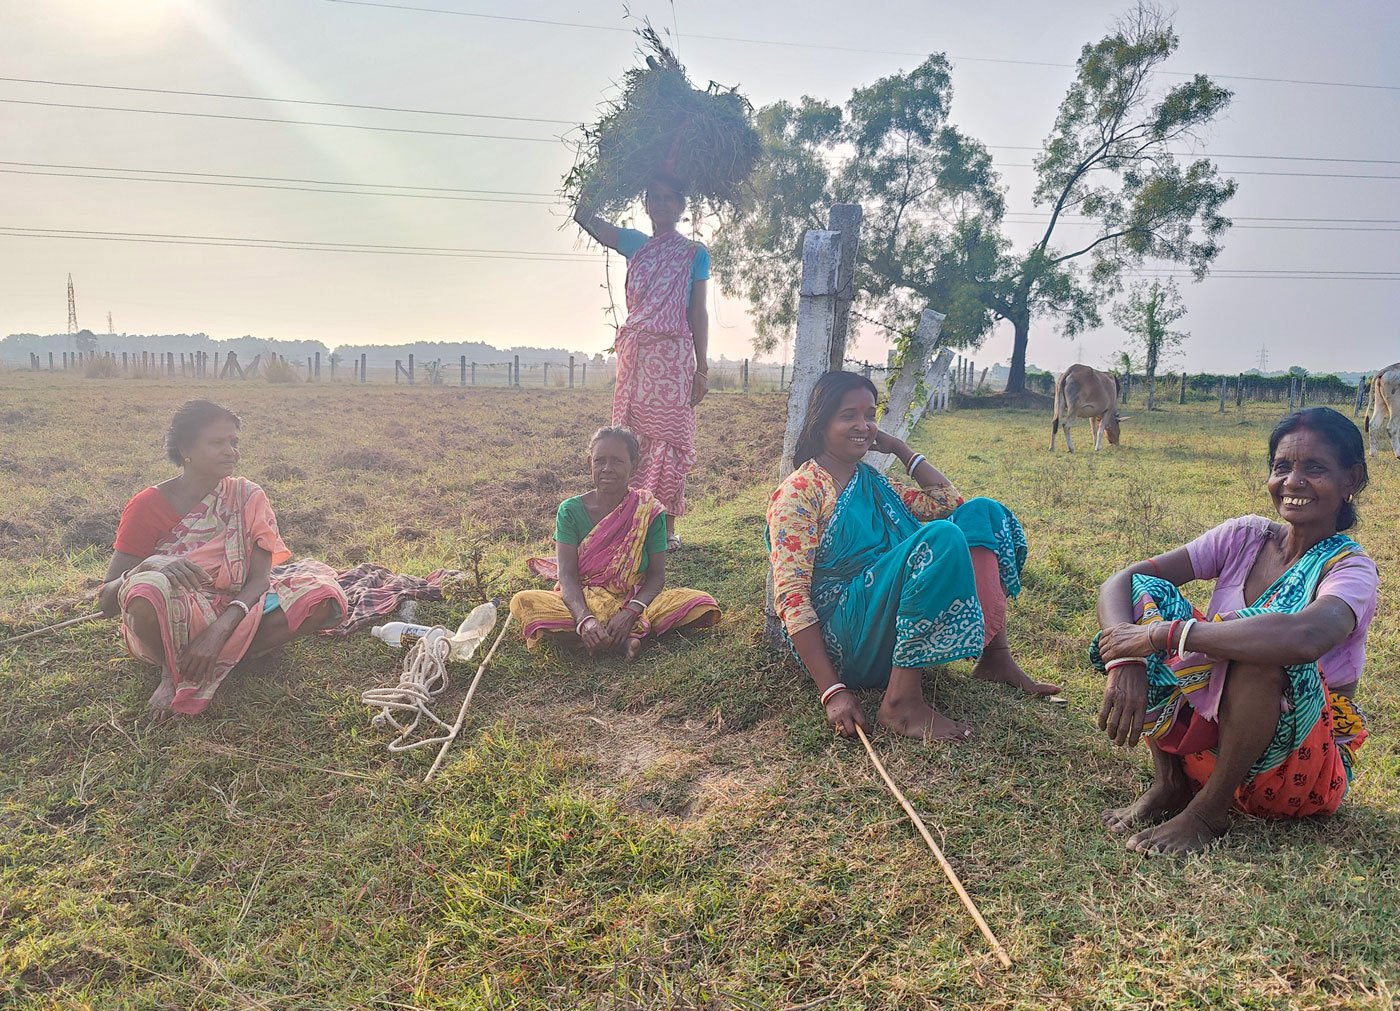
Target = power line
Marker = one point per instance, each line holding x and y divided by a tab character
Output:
278	179
288	101
266	243
1215	154
284	122
1301	273
272	186
565	122
1086	222
840	49
1241	172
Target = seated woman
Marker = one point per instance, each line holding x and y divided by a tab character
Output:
869	591
610	563
193	576
1249	704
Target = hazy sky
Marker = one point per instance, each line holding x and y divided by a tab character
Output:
549	292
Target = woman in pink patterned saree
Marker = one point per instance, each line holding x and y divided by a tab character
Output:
193	572
662	364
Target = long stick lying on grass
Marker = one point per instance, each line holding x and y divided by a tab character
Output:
471	690
971	906
35	633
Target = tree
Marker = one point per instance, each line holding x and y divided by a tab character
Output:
1146	317
930	199
934	204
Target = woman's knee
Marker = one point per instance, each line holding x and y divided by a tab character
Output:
1256	674
145	622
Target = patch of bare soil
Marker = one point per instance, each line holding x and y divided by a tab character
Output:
684	770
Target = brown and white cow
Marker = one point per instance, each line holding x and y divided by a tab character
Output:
1083	392
1385	402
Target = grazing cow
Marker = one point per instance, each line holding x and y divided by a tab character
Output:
1083	392
1385	401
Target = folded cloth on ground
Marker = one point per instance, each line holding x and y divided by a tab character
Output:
374	592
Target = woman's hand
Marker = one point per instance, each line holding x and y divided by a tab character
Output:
700	385
594	634
619	627
844	713
1126	639
1124	709
201	655
181	572
886	443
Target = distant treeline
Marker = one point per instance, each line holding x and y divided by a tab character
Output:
17	348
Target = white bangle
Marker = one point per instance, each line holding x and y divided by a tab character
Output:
1123	661
578	629
1181	642
235	602
913	463
832	692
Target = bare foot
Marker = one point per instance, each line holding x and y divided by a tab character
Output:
997	664
919	720
1160	802
158	705
634	647
1188	832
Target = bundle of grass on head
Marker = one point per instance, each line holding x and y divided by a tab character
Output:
661	127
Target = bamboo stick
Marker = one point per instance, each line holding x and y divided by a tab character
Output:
967	902
35	633
471	690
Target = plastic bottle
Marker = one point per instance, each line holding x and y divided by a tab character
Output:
462	644
473	631
400	634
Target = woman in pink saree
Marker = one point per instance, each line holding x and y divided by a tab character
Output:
609	564
662	364
193	572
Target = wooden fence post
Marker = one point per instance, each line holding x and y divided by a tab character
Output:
1182	398
517	372
318	366
1302	392
746	375
546	375
1361	387
1222	395
473	373
398	367
571	372
1239	390
462	370
583	379
412	379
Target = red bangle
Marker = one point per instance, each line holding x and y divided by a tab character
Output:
1171	634
832	692
1155	568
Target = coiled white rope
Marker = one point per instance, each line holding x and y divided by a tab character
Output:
423	679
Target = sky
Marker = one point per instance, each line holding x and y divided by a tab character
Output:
507	267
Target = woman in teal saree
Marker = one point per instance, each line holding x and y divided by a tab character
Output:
873	582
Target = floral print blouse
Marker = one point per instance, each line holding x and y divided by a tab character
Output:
798	512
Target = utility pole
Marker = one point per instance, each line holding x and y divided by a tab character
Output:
110	331
72	308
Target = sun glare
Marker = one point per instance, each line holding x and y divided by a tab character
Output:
126	20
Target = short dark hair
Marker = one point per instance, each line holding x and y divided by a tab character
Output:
1344	438
193	417
634	448
825	401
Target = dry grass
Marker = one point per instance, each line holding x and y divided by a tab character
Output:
680	834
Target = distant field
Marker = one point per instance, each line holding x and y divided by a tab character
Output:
679	834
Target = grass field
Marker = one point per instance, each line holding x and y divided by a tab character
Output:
679	834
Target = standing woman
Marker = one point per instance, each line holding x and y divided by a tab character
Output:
662	364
